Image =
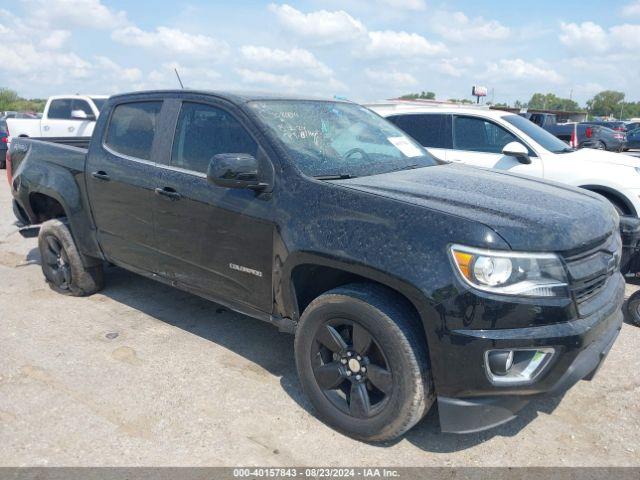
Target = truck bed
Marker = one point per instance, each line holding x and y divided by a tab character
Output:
41	154
82	142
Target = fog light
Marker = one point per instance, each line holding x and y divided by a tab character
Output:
516	366
500	361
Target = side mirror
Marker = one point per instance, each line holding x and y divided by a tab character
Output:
517	150
82	115
234	170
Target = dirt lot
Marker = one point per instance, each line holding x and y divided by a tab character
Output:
142	374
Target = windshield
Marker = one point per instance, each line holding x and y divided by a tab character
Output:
99	103
538	134
327	139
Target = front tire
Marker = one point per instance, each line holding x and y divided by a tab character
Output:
362	361
633	309
62	263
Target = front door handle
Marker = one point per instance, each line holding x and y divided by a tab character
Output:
100	175
168	192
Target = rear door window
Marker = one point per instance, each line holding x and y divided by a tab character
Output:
204	131
81	105
430	130
132	128
60	109
480	135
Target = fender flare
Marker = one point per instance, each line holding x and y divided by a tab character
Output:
613	193
286	295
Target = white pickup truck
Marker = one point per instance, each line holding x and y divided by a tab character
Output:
505	141
64	116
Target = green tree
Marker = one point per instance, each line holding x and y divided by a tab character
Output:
422	96
550	101
460	100
7	98
608	102
10	100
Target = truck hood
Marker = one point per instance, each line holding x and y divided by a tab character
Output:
601	156
530	215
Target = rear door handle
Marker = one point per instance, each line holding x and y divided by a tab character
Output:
100	175
168	192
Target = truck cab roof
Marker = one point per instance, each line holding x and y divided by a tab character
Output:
239	96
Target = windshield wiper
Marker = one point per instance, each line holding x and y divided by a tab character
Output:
337	176
565	150
406	167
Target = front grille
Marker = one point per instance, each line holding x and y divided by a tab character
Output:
589	289
590	271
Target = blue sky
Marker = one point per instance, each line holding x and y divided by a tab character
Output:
362	49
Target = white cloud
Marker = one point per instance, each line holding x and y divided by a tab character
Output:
626	35
192	76
74	13
454	67
517	68
116	71
457	27
276	59
585	36
258	77
632	9
401	44
56	39
391	79
320	27
172	40
618	41
405	4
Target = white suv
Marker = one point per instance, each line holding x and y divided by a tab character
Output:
496	139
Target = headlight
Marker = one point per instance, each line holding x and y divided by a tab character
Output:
511	273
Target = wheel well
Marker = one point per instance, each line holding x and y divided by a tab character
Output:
45	207
621	202
310	281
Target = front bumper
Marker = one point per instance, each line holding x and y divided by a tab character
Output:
580	347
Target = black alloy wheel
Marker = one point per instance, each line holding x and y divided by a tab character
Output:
351	369
56	258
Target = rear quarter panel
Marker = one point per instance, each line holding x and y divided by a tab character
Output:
56	171
24	127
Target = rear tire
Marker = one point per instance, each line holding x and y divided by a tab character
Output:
600	146
62	263
362	361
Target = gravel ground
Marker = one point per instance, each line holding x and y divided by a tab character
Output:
142	374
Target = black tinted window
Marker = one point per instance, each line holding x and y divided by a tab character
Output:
204	131
132	128
60	109
430	130
479	135
81	105
99	103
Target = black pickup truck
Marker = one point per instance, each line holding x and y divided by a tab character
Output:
404	280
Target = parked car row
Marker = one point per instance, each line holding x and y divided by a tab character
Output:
598	135
633	139
509	142
407	277
63	116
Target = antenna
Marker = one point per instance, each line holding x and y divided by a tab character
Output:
179	80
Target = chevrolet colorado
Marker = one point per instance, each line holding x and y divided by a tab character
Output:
405	281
